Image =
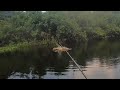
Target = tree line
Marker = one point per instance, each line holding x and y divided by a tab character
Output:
67	26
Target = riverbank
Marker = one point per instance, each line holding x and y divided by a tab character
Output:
26	46
49	44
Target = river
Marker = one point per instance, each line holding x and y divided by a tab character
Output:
98	60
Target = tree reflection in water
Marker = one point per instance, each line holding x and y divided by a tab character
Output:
98	60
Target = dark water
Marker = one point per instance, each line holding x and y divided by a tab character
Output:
98	60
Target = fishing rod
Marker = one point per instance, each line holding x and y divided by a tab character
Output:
76	64
73	61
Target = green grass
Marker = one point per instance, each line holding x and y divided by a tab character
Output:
25	46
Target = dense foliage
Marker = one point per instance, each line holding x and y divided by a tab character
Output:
76	26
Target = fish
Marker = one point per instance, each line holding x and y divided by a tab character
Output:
61	49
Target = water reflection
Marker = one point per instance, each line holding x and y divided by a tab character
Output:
97	59
19	75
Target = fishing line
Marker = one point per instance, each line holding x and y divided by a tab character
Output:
73	61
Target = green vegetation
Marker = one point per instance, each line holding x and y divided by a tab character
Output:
26	47
32	27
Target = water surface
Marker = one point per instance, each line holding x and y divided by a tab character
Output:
98	60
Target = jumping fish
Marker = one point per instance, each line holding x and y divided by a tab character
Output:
61	49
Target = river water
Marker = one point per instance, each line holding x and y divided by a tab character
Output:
98	60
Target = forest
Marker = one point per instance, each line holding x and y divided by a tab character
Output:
19	29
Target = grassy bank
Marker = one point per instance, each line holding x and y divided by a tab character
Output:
27	46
